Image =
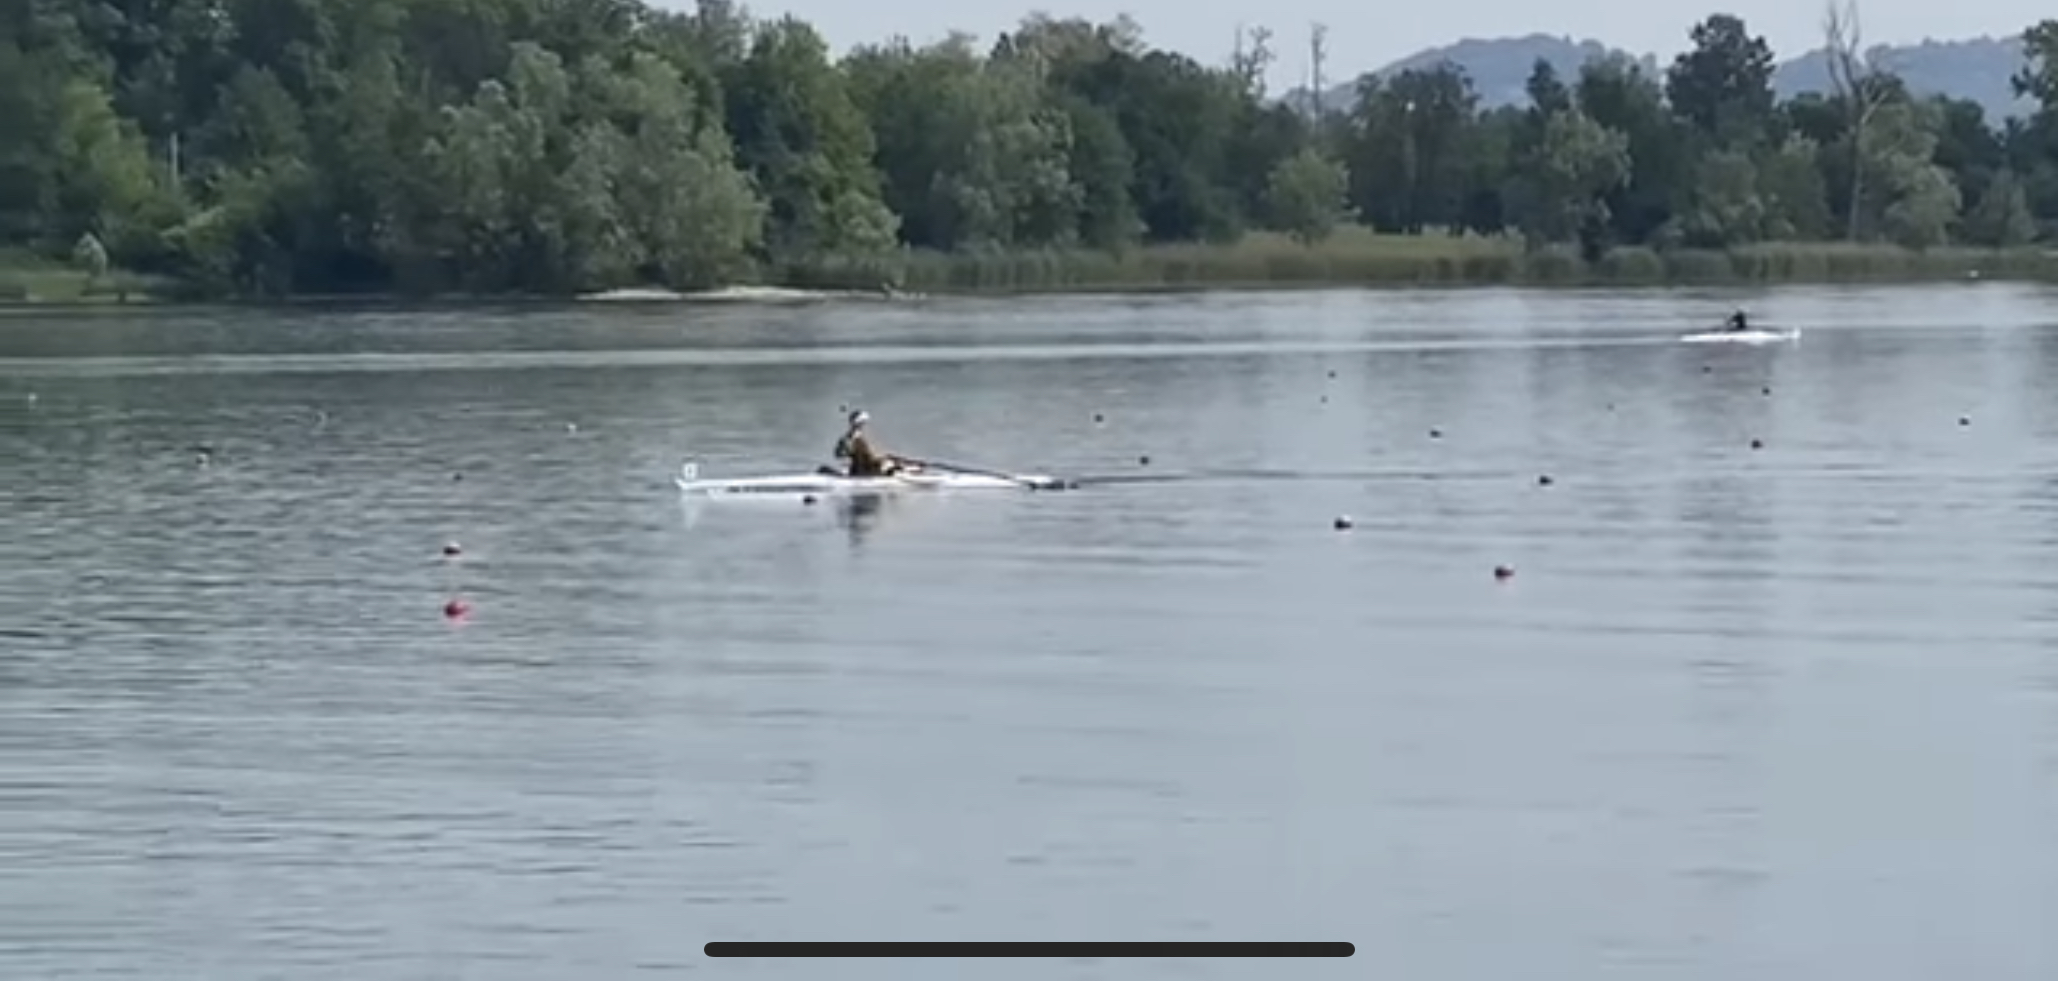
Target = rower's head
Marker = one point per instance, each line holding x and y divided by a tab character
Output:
858	418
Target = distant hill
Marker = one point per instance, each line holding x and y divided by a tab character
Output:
1976	69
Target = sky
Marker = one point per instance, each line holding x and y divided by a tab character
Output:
1364	36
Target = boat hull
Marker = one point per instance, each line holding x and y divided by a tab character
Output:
1742	337
825	485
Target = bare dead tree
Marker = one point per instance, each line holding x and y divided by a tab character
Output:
1855	77
1261	58
1251	63
1261	51
1318	52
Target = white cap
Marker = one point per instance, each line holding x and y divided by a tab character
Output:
859	417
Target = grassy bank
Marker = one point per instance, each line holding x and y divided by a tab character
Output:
1353	257
1359	257
27	280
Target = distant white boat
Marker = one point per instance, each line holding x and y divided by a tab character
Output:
634	296
1742	337
742	294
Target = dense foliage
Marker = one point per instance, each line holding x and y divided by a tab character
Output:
281	146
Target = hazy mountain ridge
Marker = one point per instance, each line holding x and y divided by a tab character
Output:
1976	68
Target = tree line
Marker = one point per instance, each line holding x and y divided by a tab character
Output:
295	146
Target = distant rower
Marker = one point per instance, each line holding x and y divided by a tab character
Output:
1738	322
856	447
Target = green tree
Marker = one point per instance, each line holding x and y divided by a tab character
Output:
1177	118
807	145
1925	204
2033	145
1406	145
976	153
1548	93
1491	159
1307	196
1967	147
30	87
367	134
274	146
2038	76
1102	163
1261	138
1910	199
1722	86
2002	217
1617	93
700	220
1796	197
1565	179
103	179
1725	206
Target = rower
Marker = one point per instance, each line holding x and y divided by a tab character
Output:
1738	322
856	447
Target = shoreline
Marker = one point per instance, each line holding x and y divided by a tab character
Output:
1259	263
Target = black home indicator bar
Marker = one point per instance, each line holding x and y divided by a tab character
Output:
958	948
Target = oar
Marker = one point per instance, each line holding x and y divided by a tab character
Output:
976	471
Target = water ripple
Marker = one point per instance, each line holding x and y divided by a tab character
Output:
1737	712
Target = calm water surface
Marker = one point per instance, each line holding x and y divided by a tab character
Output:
1784	713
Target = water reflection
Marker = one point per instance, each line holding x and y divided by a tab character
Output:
2039	506
860	514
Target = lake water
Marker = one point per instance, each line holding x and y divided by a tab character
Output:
1777	713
